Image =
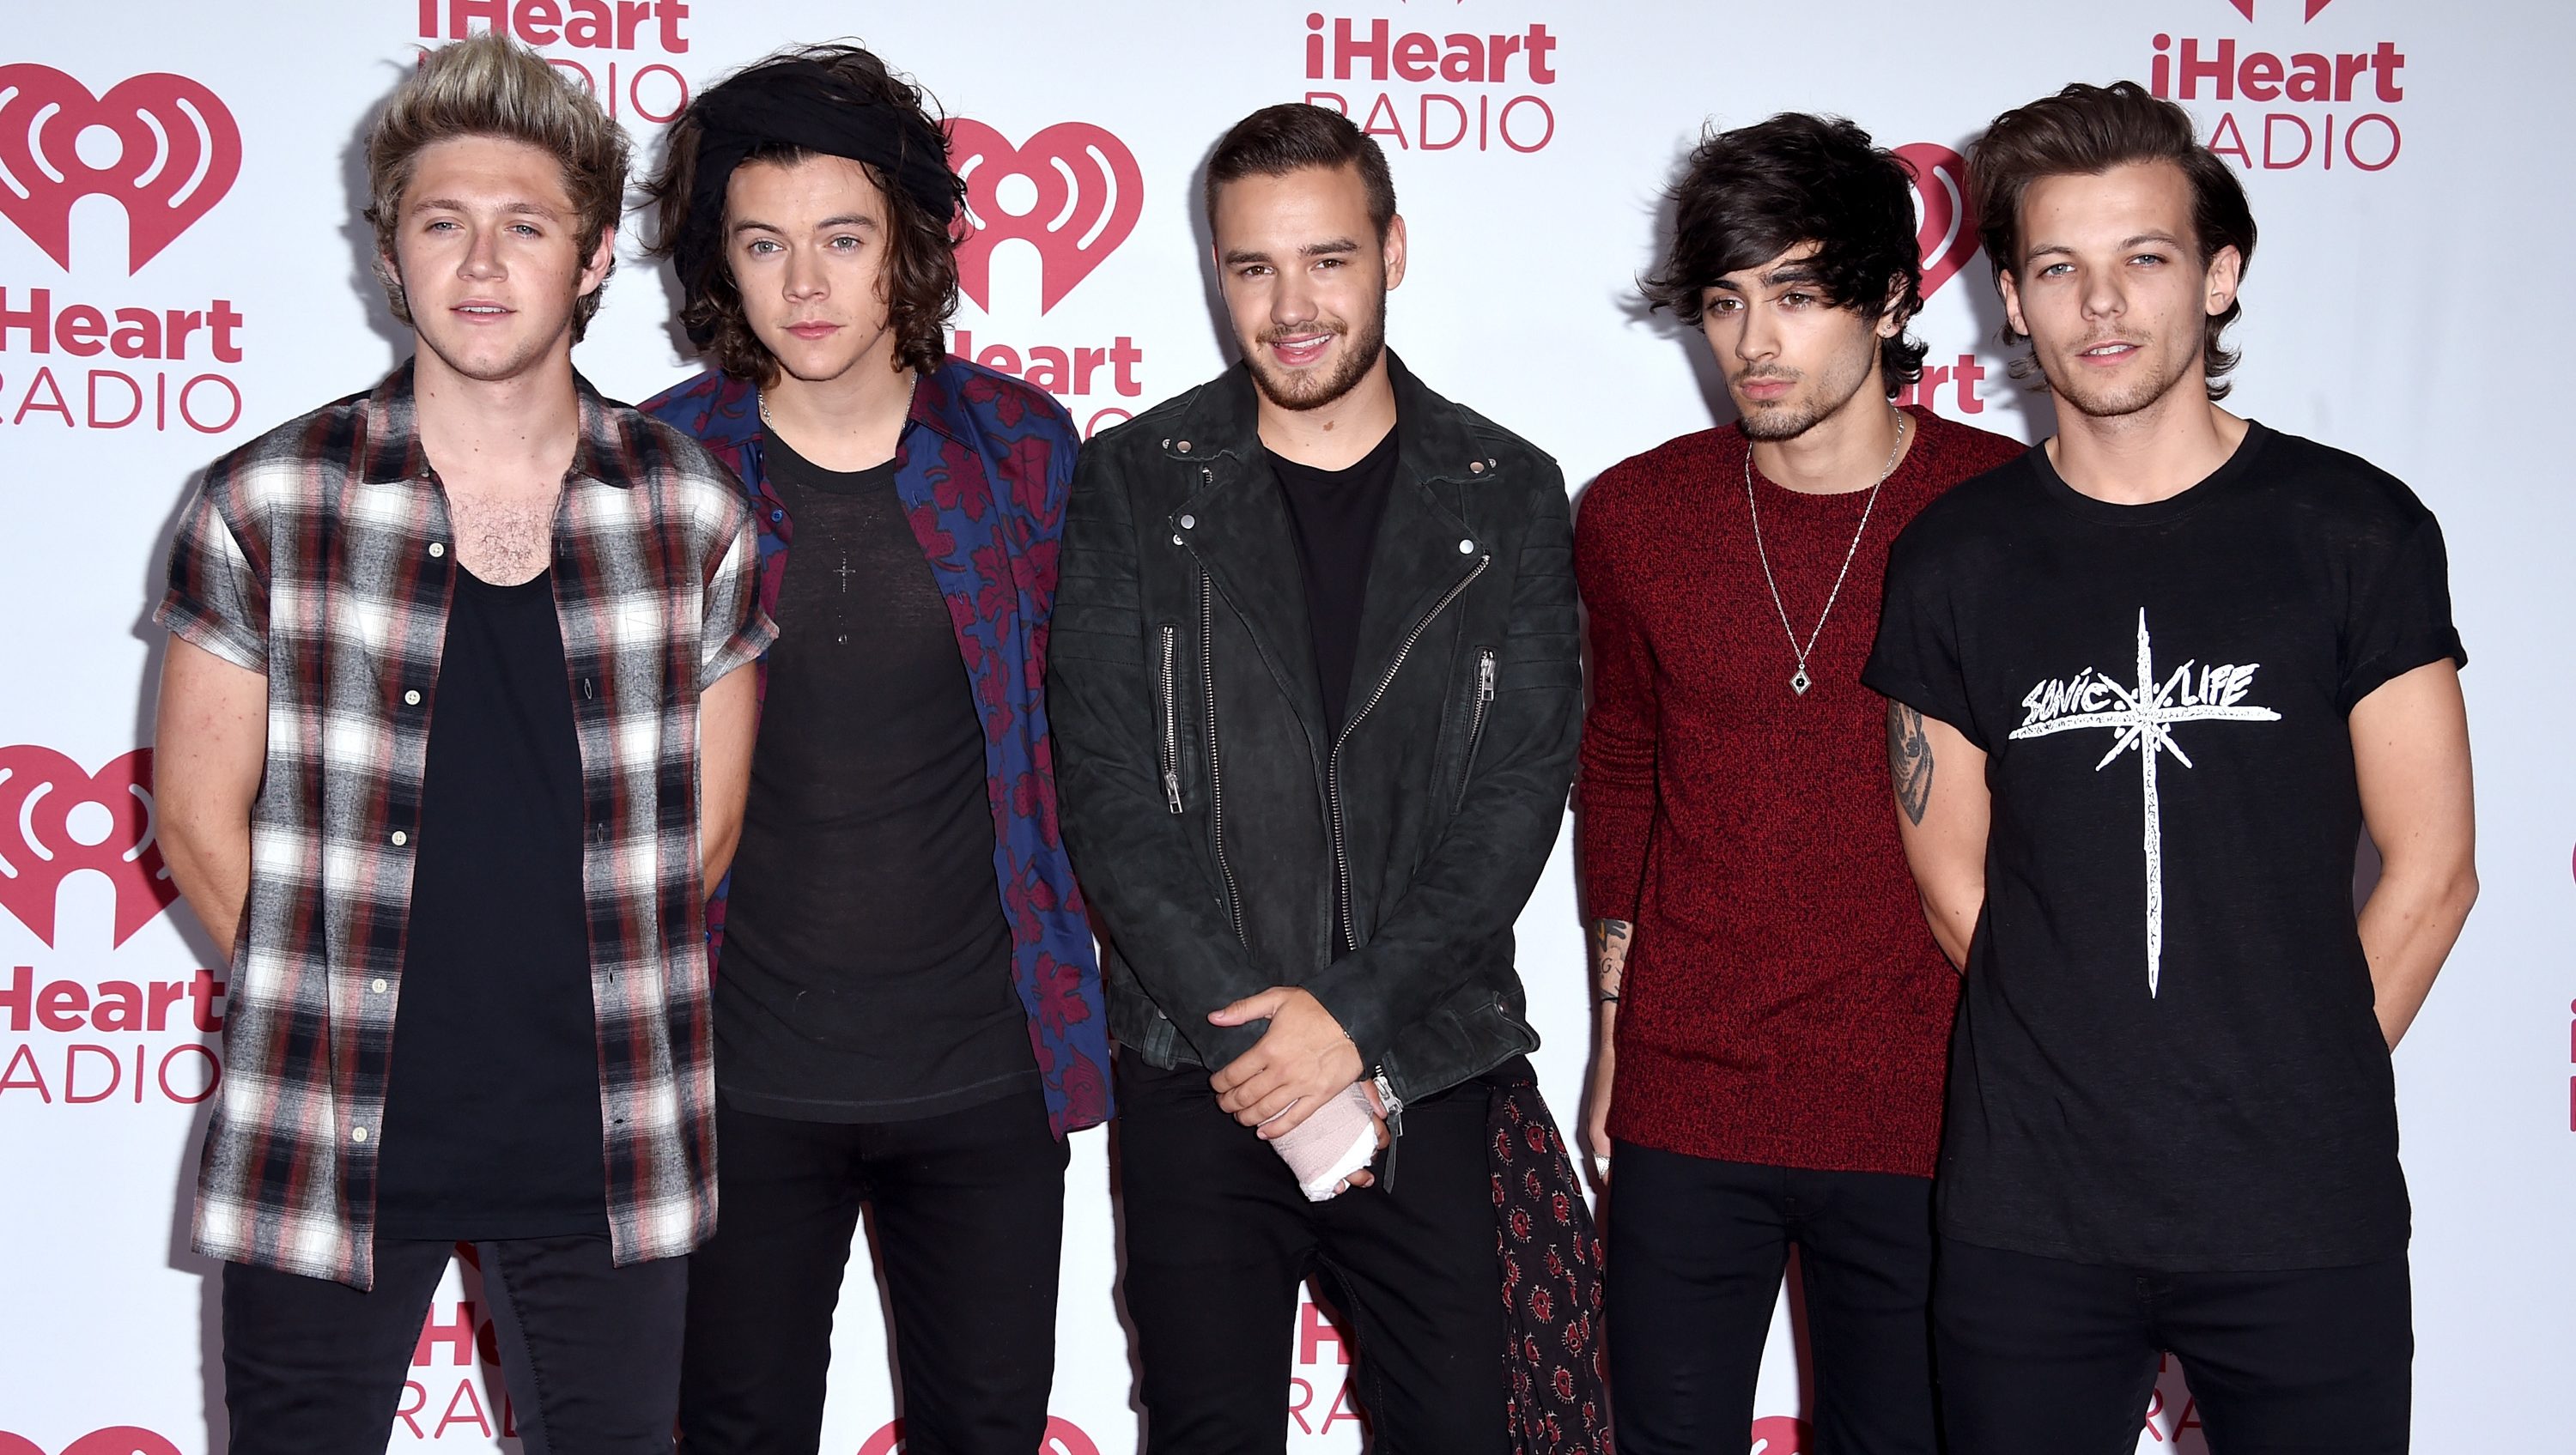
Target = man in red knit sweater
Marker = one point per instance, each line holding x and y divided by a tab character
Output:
1776	1078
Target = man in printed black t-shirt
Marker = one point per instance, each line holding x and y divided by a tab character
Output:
2150	683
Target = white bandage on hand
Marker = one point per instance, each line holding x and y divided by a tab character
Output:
1339	1139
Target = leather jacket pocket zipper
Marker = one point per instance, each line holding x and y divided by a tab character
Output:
1476	717
1171	721
1216	772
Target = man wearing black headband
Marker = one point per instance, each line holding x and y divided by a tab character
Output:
907	1009
1318	685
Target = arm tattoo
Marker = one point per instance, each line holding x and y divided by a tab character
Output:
1909	760
1610	952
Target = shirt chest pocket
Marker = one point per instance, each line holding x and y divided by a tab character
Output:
393	580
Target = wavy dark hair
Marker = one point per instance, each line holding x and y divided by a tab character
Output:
2086	131
921	250
1748	195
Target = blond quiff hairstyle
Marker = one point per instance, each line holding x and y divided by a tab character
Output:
490	85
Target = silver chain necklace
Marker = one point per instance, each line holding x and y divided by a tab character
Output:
1799	681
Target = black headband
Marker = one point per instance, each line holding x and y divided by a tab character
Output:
801	104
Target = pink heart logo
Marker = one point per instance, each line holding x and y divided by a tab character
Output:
177	152
1062	1438
2246	9
121	1440
41	844
1780	1434
1082	195
1948	236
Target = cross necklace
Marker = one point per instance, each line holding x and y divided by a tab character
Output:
1799	681
845	572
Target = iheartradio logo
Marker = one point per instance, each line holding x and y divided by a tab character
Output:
1948	235
57	819
1061	1438
121	1440
162	145
1073	190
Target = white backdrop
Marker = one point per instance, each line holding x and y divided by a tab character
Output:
182	266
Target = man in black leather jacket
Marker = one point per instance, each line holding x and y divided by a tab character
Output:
1315	691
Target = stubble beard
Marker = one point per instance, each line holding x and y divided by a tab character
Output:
1304	392
2112	401
1794	416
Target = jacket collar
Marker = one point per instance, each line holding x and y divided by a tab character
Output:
1235	522
1223	418
604	449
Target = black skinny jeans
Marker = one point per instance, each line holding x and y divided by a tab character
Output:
1696	1251
2040	1356
1218	1239
969	1230
590	1352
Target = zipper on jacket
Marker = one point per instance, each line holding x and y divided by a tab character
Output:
1333	767
1476	718
1216	775
1171	722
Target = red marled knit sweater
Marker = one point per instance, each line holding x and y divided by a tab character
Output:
1783	1002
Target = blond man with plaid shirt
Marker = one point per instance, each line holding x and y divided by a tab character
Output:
454	738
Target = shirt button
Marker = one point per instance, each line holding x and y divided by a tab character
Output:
1183	447
1189	522
412	698
1466	548
777	515
437	548
401	838
1475	467
377	985
357	1134
1176	539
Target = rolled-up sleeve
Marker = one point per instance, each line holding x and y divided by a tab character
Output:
217	594
736	630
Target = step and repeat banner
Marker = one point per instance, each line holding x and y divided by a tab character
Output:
182	266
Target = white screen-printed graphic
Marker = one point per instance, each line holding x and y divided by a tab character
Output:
2144	717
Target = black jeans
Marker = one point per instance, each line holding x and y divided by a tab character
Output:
1696	1252
1218	1239
969	1230
590	1352
2040	1356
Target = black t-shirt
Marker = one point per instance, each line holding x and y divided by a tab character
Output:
2166	1054
866	973
491	1123
1334	514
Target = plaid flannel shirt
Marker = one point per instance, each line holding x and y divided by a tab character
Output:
320	556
